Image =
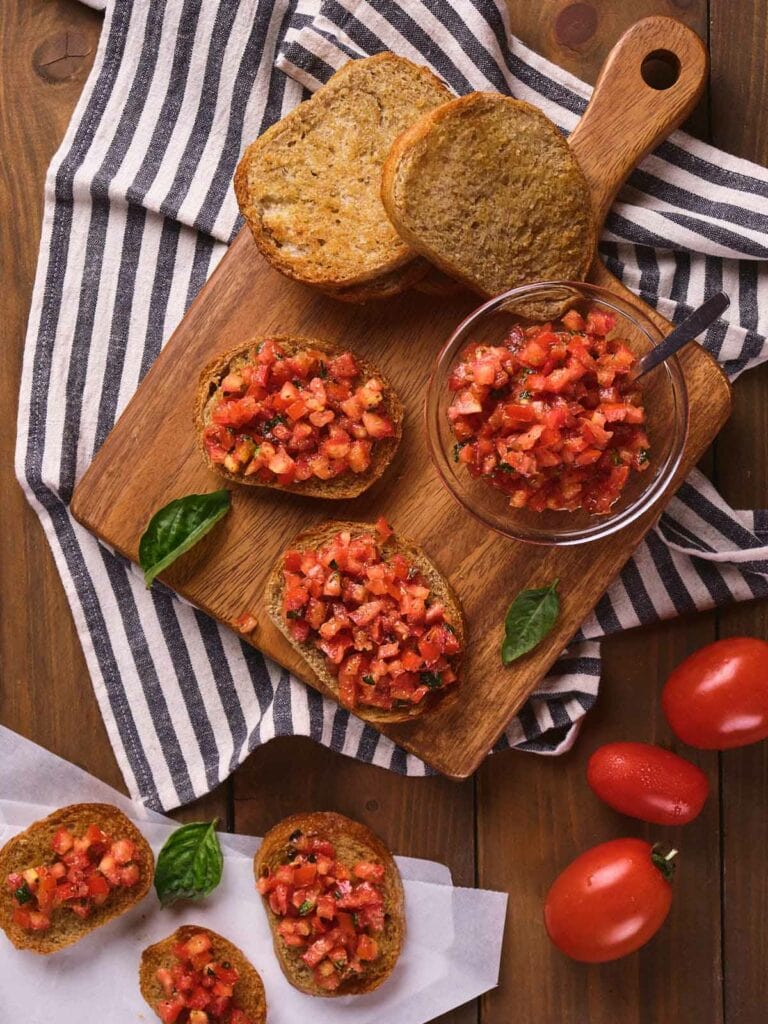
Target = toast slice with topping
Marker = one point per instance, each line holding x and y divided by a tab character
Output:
334	421
335	903
70	873
230	985
377	622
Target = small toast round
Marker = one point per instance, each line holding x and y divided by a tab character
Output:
248	994
349	484
32	847
322	534
487	189
309	186
352	842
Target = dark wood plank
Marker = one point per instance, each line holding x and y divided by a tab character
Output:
429	817
536	814
739	44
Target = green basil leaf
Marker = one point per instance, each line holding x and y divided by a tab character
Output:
190	863
531	616
177	527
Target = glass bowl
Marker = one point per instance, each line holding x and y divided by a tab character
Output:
664	397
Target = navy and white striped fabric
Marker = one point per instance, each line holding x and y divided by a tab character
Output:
139	209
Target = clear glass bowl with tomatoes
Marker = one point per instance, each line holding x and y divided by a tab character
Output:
535	424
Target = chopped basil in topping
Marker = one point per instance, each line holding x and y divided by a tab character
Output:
369	680
431	679
306	907
22	894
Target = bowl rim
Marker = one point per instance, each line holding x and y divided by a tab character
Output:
657	490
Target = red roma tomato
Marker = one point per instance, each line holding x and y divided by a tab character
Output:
647	782
609	901
718	697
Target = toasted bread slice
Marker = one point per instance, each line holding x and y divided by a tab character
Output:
393	283
487	189
438	283
248	994
349	484
353	842
309	186
32	847
322	534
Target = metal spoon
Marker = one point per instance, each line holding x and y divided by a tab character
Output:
689	329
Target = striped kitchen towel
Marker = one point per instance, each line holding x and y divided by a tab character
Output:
139	209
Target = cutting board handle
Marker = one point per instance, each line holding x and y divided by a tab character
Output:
626	118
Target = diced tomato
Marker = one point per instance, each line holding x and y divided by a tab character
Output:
287	419
556	419
373	618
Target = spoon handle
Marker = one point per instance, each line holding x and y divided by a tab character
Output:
690	328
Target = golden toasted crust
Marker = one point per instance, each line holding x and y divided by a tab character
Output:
487	189
387	285
353	842
309	186
273	597
349	484
248	994
32	847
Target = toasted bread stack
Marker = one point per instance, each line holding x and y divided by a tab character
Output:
382	182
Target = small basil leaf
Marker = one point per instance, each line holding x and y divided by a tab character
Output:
531	616
190	863
177	527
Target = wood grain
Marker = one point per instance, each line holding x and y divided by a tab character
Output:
226	575
740	85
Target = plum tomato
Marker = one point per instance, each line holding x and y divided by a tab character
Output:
718	697
647	782
609	901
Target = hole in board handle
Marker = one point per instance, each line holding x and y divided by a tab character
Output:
660	69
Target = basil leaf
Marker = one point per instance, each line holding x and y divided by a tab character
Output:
531	616
190	863
177	527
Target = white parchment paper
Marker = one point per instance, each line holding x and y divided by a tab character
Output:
451	953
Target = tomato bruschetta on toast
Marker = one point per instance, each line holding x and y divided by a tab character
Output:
198	977
372	616
297	414
70	873
335	903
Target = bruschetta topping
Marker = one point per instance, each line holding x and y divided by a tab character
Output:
80	876
198	988
288	418
374	617
331	912
550	416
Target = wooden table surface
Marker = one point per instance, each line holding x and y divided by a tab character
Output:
521	818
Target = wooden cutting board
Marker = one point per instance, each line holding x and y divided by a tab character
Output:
150	457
